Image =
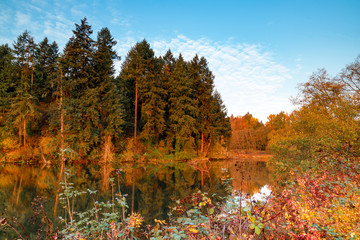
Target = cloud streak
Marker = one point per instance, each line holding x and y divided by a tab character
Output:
247	76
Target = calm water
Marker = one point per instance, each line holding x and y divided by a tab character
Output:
150	188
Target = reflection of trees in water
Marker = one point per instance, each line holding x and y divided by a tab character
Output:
19	185
162	184
24	183
247	175
150	188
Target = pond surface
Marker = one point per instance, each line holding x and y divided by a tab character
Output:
151	188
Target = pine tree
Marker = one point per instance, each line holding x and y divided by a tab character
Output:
182	108
153	97
110	108
45	69
7	72
220	122
80	97
137	75
24	104
167	68
7	87
203	84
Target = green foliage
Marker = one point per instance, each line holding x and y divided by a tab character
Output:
7	84
316	158
182	110
326	125
81	117
96	222
45	69
74	98
110	110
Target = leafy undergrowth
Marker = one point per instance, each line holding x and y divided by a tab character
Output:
316	205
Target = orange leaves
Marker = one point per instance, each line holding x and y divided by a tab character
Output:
135	220
320	205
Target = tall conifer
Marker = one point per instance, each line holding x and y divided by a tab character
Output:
24	105
80	99
137	72
7	88
203	84
182	108
45	69
110	108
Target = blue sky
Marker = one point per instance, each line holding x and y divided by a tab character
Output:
259	51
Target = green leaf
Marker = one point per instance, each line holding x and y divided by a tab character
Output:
211	211
252	225
257	230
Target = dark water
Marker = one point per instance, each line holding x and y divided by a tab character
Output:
150	188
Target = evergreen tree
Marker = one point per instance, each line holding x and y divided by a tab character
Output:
7	72
153	97
220	122
24	104
168	65
80	97
7	87
45	69
182	108
110	108
203	84
137	75
160	100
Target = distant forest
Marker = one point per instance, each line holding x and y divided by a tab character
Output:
72	104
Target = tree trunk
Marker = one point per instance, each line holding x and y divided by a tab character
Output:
32	75
136	103
202	142
62	120
133	198
24	132
106	176
107	149
62	144
20	134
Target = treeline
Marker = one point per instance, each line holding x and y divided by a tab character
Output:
248	133
316	159
72	103
325	130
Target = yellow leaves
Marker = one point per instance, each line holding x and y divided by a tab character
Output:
135	220
206	201
9	143
193	230
161	222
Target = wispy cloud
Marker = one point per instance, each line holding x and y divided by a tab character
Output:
5	17
118	21
22	19
246	75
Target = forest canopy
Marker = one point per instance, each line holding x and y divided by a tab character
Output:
71	101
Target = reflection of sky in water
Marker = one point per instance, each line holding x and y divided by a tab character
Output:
247	176
233	203
265	191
